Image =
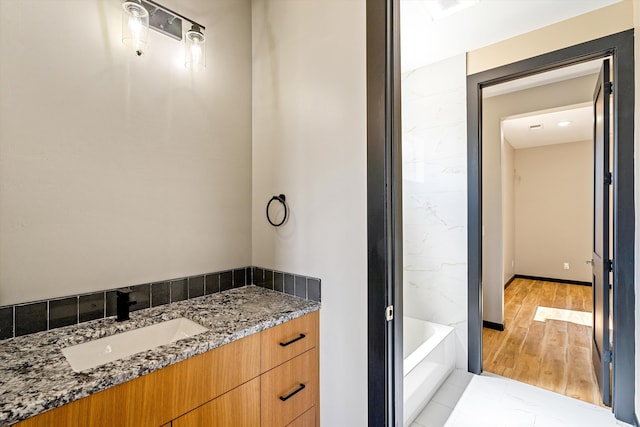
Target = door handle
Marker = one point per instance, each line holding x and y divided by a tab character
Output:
589	261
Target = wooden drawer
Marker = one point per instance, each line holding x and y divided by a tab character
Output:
285	341
308	419
280	403
158	397
239	407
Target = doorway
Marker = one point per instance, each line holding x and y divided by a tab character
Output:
620	47
537	219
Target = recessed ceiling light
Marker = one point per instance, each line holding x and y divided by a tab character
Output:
564	123
536	127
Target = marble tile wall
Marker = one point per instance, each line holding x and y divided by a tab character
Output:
435	196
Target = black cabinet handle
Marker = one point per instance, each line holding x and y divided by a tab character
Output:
284	344
293	393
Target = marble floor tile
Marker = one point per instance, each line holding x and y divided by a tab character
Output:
459	378
493	401
489	400
448	395
433	415
437	411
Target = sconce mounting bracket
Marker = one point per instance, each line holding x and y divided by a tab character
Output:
163	20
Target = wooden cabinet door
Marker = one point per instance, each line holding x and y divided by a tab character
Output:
289	390
239	407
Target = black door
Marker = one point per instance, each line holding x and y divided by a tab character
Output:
601	346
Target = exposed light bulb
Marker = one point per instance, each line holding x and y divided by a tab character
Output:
135	26
196	52
195	49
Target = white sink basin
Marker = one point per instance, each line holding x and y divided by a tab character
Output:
104	350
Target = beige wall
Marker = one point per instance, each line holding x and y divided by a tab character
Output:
496	108
508	212
599	23
554	210
309	142
492	231
115	169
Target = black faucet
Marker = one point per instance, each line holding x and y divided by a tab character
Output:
123	302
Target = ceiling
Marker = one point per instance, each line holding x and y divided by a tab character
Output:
522	131
425	40
541	128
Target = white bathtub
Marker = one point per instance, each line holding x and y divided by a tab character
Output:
429	357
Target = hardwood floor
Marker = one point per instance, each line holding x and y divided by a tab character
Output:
545	352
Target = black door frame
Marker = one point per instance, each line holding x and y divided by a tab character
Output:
620	47
384	213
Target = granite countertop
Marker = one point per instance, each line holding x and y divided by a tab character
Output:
36	377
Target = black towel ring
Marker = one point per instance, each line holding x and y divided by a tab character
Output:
281	198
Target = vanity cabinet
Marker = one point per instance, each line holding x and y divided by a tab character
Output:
290	374
308	419
161	396
238	407
289	390
285	341
238	384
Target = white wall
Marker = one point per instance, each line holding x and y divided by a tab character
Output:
435	196
496	108
309	142
116	169
554	210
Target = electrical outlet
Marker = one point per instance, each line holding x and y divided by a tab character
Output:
566	265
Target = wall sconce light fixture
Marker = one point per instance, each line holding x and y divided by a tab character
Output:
139	15
135	26
194	52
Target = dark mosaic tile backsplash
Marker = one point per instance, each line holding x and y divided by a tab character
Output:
291	284
28	318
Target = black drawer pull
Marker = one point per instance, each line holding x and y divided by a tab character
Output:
284	344
293	393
